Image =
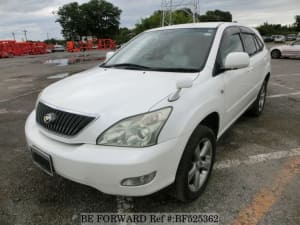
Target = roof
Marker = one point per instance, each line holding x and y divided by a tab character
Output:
195	25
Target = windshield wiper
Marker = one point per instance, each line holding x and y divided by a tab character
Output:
140	67
127	66
179	70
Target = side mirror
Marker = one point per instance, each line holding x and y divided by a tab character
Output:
236	60
180	84
184	83
109	55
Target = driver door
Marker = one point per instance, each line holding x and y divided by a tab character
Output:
236	82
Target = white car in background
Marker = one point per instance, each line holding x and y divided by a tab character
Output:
58	48
151	115
291	50
279	38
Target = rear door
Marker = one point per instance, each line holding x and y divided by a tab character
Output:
254	47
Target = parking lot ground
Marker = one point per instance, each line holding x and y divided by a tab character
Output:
255	180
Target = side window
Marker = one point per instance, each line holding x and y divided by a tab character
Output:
250	45
296	43
260	44
230	43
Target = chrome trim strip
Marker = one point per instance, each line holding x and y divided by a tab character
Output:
69	110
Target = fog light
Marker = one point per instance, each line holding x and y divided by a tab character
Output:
138	181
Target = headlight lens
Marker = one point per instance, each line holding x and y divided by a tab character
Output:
137	131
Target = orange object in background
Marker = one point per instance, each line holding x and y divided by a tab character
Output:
106	44
7	48
10	48
38	48
100	44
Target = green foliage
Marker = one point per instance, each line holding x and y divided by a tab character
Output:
178	17
274	29
181	16
216	16
124	35
95	18
297	23
150	22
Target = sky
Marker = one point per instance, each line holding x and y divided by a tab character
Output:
36	16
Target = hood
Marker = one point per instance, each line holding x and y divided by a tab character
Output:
101	90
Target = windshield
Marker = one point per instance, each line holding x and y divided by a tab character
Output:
181	50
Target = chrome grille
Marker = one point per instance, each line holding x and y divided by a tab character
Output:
61	122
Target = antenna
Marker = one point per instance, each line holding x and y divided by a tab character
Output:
14	35
169	6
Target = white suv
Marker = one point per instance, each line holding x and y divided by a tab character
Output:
150	116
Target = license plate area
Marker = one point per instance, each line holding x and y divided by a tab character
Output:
42	160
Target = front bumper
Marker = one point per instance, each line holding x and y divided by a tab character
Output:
105	167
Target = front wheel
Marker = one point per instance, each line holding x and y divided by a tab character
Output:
196	165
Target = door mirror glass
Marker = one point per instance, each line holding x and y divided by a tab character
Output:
236	60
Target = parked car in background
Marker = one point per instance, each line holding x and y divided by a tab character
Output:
291	37
279	38
151	114
58	48
268	38
291	50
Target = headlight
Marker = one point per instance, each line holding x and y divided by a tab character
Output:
137	131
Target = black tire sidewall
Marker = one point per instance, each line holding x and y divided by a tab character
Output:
183	192
277	54
254	110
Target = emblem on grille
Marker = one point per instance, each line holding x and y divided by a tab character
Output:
49	118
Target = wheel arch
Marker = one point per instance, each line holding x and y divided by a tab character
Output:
267	78
212	121
276	49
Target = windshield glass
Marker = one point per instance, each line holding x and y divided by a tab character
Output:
182	50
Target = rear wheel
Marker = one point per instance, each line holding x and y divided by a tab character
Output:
196	165
259	104
275	54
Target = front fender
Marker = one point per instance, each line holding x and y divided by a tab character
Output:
192	107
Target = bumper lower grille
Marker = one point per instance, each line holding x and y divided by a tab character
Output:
61	122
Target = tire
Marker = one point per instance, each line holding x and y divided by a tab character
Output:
195	165
275	54
258	106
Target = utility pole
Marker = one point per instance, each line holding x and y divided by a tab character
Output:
47	36
14	35
25	34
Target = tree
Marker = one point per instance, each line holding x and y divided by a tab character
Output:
181	16
216	16
178	17
124	35
297	23
95	18
150	22
69	19
275	29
